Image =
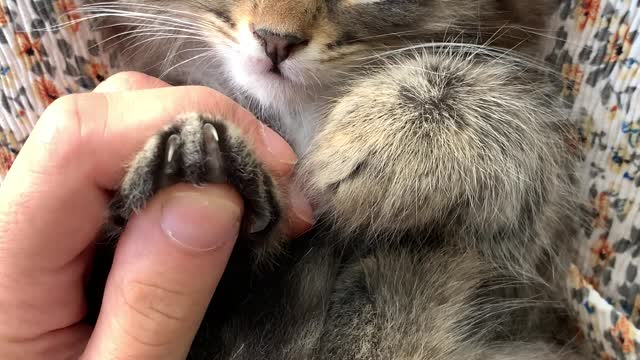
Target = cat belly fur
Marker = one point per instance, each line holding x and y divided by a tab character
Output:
447	180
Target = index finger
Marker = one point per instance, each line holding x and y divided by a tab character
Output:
112	126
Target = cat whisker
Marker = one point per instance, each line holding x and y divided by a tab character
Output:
147	42
99	13
471	49
152	27
201	25
128	35
198	22
176	53
164	73
123	7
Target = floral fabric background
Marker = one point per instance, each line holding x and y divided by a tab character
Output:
592	42
595	48
41	60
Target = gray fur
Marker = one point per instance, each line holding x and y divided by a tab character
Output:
442	178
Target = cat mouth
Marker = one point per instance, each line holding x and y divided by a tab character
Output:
278	74
264	67
274	75
275	70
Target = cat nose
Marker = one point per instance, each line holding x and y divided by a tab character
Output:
278	47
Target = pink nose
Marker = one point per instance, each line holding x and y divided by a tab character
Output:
278	47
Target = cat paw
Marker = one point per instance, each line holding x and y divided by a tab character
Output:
200	150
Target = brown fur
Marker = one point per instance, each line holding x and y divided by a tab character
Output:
440	173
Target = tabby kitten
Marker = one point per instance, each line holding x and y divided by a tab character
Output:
433	147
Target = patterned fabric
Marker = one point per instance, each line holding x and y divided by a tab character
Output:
40	60
598	61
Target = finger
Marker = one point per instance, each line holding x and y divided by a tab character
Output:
301	217
78	149
128	81
110	127
84	153
166	268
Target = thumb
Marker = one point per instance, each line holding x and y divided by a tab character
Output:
167	265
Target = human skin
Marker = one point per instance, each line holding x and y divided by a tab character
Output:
171	255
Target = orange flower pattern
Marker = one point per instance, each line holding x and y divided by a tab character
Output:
587	12
70	14
3	16
38	66
597	51
46	90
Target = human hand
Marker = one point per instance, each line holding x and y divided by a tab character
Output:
53	202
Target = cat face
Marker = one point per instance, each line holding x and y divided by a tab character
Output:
286	51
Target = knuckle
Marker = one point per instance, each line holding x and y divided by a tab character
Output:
127	80
155	303
62	102
70	126
126	75
60	124
153	313
64	105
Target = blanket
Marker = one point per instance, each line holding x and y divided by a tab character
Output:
594	46
46	53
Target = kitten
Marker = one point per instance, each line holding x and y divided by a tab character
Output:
435	151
